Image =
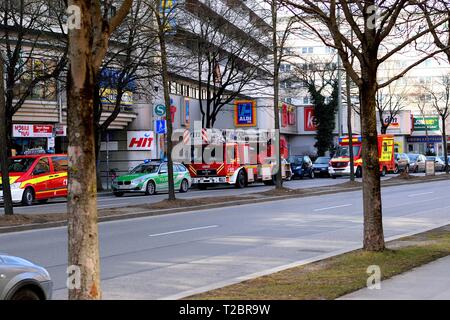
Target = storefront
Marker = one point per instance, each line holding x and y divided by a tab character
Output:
27	137
426	137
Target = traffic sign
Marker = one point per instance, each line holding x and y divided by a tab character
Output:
160	110
160	127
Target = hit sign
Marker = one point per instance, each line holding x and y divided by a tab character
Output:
140	140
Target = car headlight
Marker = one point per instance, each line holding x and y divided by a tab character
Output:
140	180
15	185
298	168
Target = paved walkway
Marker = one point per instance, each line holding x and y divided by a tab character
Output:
429	282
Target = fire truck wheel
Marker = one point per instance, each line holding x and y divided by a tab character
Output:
359	172
184	187
150	189
28	197
241	180
383	172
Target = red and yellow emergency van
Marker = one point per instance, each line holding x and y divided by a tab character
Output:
37	177
340	163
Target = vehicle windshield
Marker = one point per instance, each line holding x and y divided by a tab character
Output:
413	157
295	160
20	164
322	160
344	151
431	158
145	168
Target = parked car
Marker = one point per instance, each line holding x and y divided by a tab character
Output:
302	166
439	165
320	166
151	177
23	280
416	162
401	163
443	159
37	177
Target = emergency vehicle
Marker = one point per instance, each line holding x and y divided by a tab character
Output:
340	163
237	163
37	177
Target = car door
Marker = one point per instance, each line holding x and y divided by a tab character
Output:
162	181
421	162
40	177
58	182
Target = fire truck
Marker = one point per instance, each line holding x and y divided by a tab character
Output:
340	163
234	161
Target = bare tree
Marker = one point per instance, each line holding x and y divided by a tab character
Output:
382	29
165	12
422	99
229	60
389	104
440	102
33	53
90	27
128	68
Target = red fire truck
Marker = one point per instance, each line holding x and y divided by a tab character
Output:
235	163
340	164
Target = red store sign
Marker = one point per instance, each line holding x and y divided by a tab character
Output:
310	119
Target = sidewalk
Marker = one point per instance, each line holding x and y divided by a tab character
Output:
429	282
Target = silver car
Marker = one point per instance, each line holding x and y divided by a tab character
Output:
23	280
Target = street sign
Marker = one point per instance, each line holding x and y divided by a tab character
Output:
160	127
160	110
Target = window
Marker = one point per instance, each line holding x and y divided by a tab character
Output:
306	100
60	164
42	167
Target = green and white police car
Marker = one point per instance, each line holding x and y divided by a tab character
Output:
151	177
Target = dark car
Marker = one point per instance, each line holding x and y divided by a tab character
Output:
302	166
439	165
401	163
320	166
416	162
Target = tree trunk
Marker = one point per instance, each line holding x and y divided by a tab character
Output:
276	85
165	79
82	198
349	128
445	144
373	223
8	205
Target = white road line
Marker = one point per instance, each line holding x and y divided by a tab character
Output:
184	230
335	207
419	194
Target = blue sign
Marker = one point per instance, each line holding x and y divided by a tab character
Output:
245	113
160	127
424	139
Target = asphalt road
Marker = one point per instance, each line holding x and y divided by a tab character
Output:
110	201
174	255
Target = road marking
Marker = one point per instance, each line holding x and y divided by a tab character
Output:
419	194
184	230
335	207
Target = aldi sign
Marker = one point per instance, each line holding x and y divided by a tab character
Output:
245	113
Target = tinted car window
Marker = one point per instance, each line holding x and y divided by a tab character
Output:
20	164
60	164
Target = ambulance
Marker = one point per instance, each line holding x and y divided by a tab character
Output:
37	177
340	164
